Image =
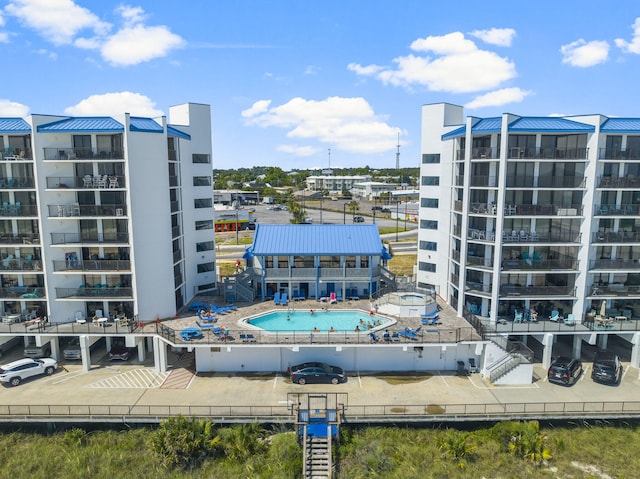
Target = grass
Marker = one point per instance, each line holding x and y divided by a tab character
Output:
402	264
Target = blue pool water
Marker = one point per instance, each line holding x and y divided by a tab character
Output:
343	321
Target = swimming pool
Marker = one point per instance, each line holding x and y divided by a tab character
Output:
320	320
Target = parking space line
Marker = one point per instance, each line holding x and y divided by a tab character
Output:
443	379
584	373
59	379
275	380
359	379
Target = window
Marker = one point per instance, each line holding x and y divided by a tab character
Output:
430	180
203	203
206	267
429	245
201	181
204	225
429	202
205	246
201	158
429	224
433	158
428	267
206	287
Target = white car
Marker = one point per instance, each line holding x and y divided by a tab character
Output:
14	372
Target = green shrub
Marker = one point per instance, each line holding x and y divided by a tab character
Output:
454	446
242	441
529	443
184	443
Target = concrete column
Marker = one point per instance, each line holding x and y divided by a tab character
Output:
603	339
85	352
107	340
635	350
547	343
159	355
577	345
55	348
149	341
141	351
525	339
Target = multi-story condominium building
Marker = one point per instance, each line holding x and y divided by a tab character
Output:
532	224
334	184
372	190
105	215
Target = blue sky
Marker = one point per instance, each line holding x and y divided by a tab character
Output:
290	80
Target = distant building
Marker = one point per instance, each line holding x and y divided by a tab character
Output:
371	190
334	184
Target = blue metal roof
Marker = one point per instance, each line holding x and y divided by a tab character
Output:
308	240
549	123
173	131
482	125
14	125
621	125
146	125
97	124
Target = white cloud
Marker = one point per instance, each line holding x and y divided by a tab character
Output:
312	70
348	124
4	37
495	36
302	151
48	53
585	54
59	21
12	109
137	44
498	98
634	45
459	66
110	104
131	15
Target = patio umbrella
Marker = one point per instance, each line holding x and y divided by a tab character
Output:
603	308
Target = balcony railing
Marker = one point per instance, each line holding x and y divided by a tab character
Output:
25	238
616	237
533	237
17	209
617	210
103	182
481	153
75	210
94	292
14	154
92	265
477	287
23	292
61	154
544	291
479	261
457	206
76	238
17	183
615	289
614	182
548	153
483	180
543	210
326	274
541	264
615	264
545	182
614	154
20	264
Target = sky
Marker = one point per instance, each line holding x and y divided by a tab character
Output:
319	84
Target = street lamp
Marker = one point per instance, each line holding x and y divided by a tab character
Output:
397	217
321	208
344	213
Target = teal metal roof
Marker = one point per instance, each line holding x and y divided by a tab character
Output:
482	125
173	131
549	124
309	240
621	125
96	124
146	125
14	125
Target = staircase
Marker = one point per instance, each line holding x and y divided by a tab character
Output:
239	285
317	456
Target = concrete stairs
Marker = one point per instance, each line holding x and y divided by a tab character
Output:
317	457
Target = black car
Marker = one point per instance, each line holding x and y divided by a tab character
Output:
317	373
607	368
358	219
565	371
119	351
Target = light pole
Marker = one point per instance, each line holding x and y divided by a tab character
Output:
344	213
321	208
397	217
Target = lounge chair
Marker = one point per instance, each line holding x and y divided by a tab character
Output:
555	316
188	334
339	296
409	334
430	321
206	319
354	294
197	306
221	309
374	337
205	326
276	298
283	299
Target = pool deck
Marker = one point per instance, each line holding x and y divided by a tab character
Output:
450	327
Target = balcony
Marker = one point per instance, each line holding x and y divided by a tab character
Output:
615	290
516	153
569	264
16	154
324	274
545	182
21	239
478	288
619	155
615	264
17	209
17	183
23	292
543	210
81	154
98	292
483	181
616	237
19	265
616	210
479	261
92	265
511	290
101	182
76	210
484	153
615	182
88	239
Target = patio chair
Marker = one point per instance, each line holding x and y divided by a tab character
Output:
374	337
247	338
386	337
197	306
570	320
555	316
79	317
283	299
339	296
354	294
473	368
276	298
36	293
518	317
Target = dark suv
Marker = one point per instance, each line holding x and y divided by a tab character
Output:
607	368
565	371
